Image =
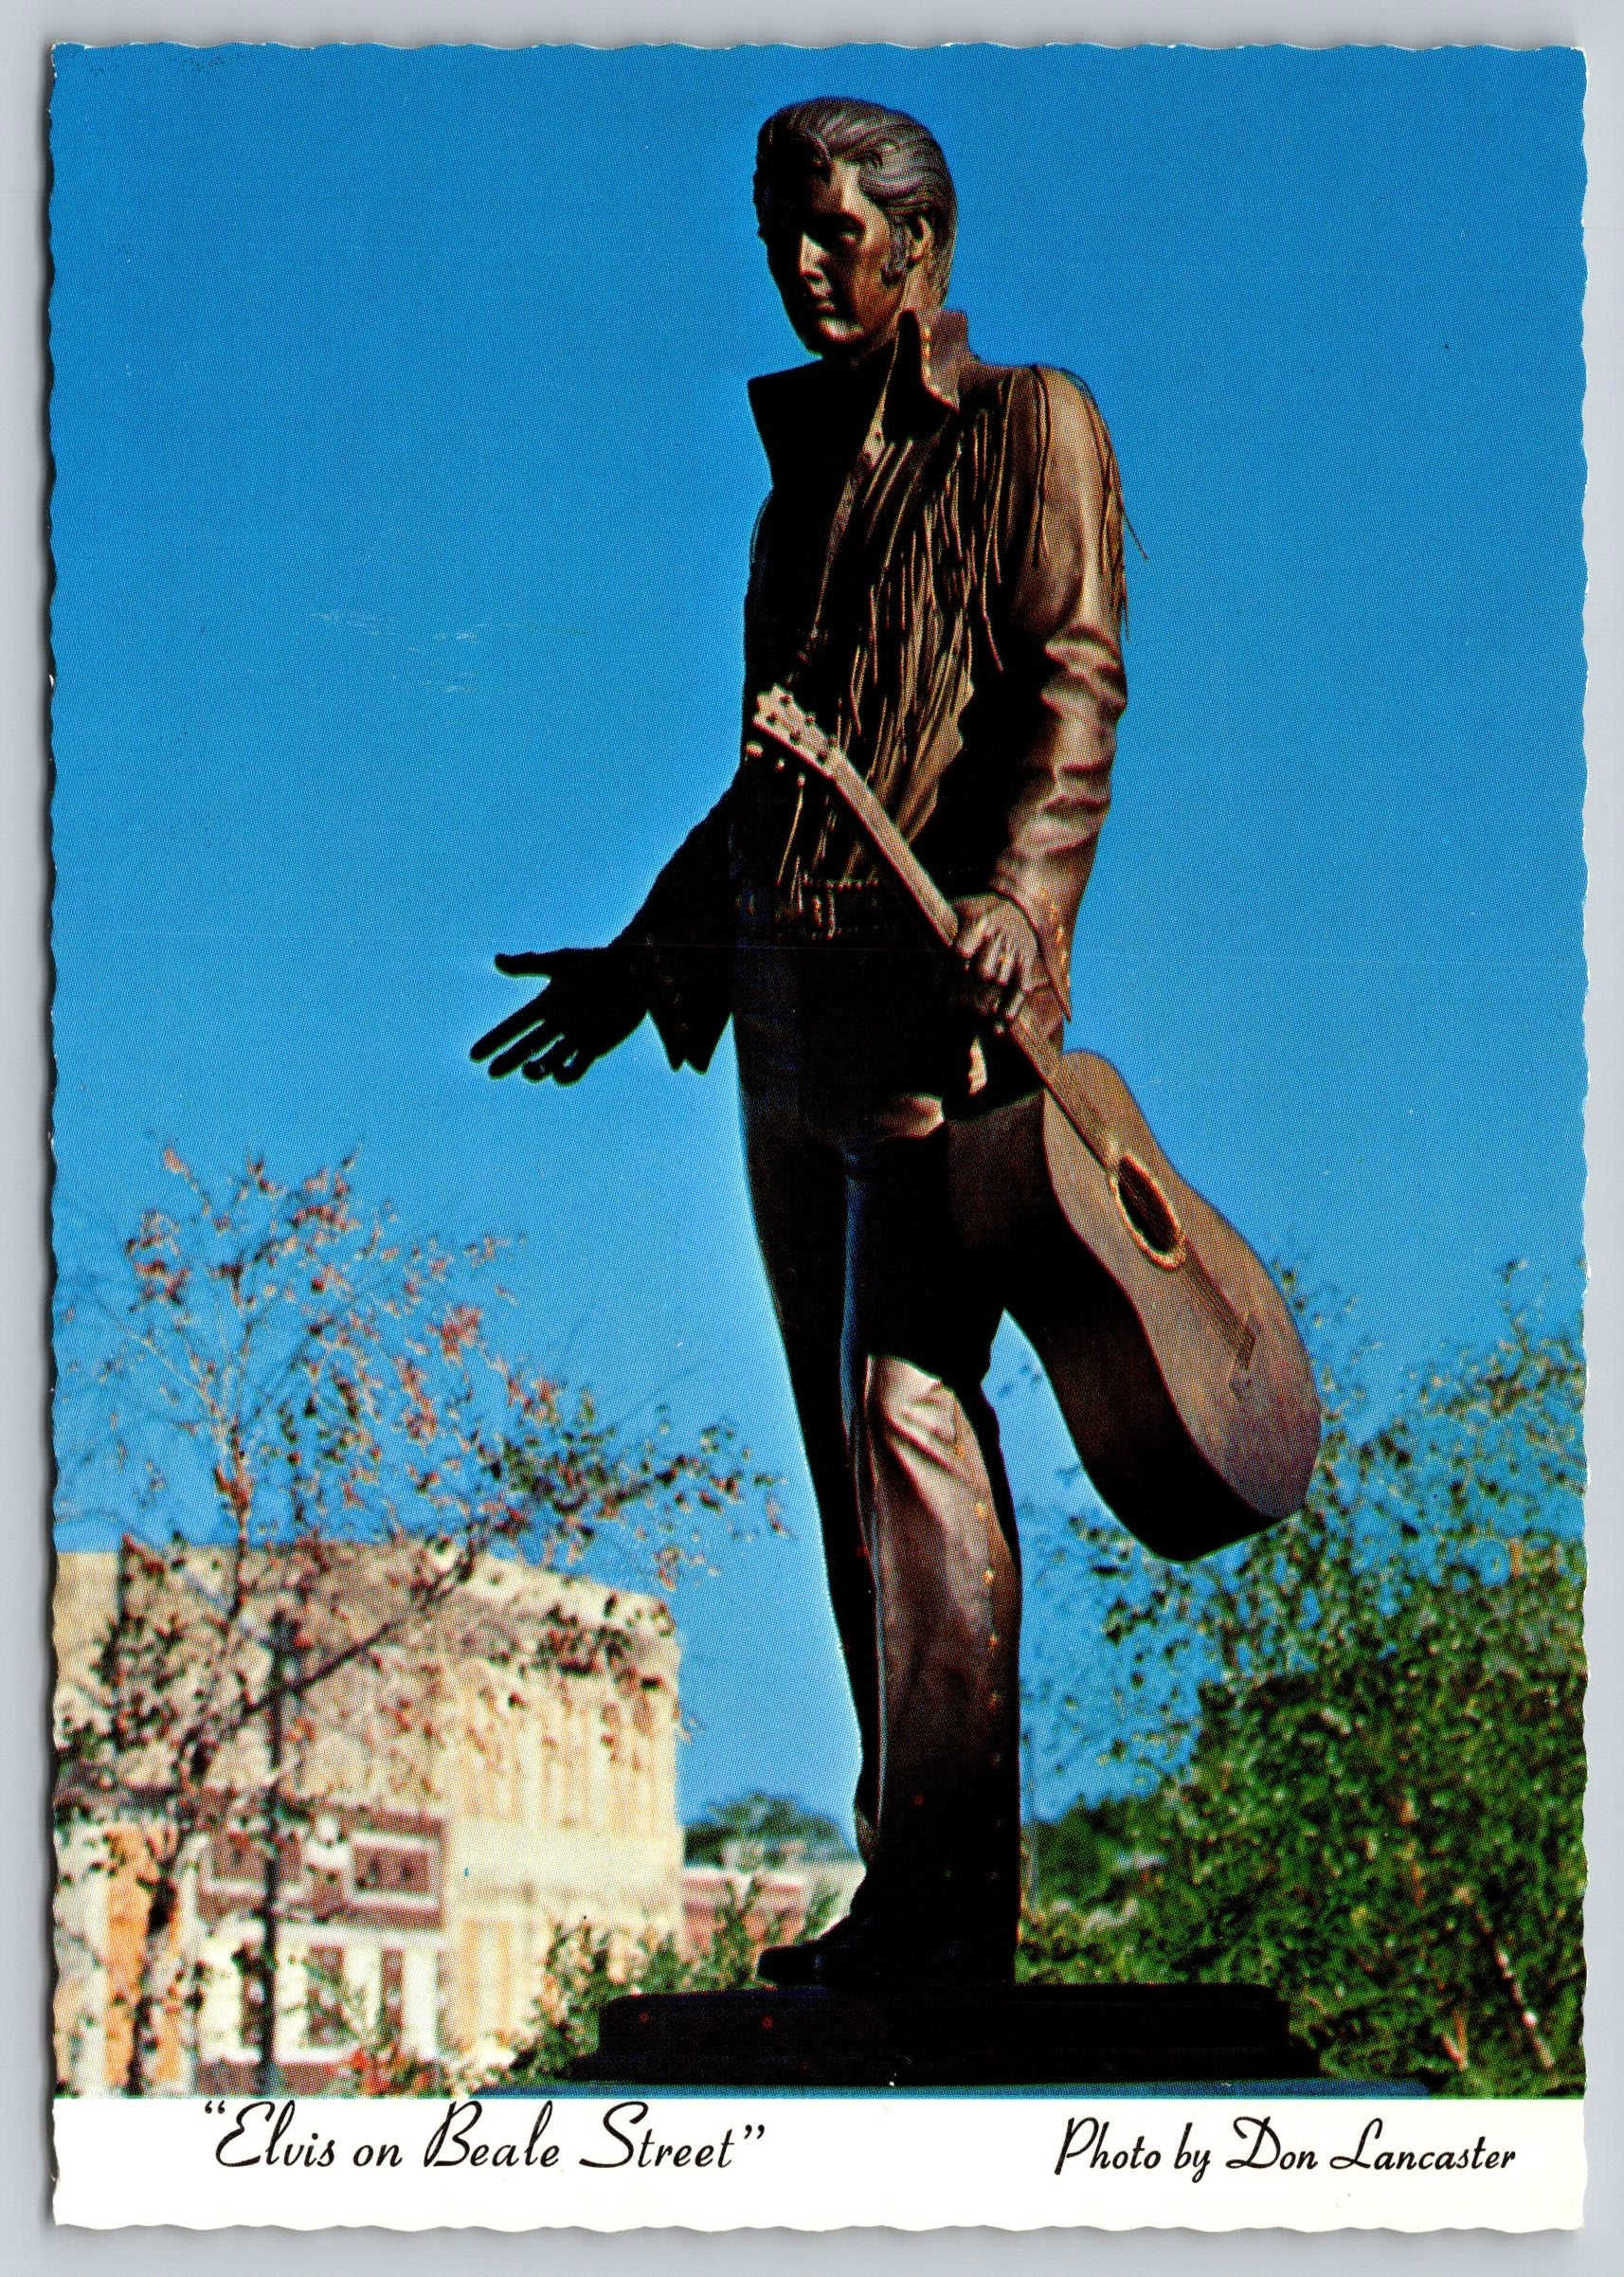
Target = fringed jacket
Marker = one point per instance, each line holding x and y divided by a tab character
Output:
937	576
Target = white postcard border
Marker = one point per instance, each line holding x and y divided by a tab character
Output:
626	2158
22	1965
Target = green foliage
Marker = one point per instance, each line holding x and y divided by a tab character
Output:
1378	1713
586	1968
1081	1860
379	2063
770	1829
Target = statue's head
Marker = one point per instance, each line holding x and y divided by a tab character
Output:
857	210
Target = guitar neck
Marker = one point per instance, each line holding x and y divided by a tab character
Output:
779	716
890	845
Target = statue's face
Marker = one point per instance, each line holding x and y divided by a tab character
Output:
830	251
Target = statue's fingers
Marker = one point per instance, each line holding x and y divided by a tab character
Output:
499	1049
528	1016
575	1067
989	975
525	963
969	939
555	1059
539	1037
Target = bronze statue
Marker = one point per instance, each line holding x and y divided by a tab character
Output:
937	578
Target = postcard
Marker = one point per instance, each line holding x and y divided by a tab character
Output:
818	1026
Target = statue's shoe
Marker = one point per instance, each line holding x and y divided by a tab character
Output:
870	1956
789	1964
797	1964
873	1961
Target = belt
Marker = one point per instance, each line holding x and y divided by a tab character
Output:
822	910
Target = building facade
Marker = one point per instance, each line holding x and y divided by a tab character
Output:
490	1774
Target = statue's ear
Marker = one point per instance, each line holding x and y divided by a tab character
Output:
920	236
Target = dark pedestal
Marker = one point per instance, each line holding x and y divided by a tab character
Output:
1031	2035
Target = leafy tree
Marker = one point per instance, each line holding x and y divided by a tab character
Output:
587	1968
271	1374
1084	1857
766	1830
1375	1719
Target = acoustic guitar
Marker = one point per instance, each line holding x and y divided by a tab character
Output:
1175	1359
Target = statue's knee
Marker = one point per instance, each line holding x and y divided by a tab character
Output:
903	1411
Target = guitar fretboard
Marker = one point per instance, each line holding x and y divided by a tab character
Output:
779	718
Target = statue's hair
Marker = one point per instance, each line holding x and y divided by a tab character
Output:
900	168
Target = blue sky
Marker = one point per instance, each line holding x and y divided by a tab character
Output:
403	479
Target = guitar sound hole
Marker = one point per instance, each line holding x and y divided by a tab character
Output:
1146	1207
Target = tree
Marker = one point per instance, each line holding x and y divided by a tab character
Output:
1372	1723
585	1970
766	1830
1083	1858
272	1377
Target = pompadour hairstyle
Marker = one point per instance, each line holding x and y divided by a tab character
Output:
900	168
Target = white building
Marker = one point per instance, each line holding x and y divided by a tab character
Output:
502	1770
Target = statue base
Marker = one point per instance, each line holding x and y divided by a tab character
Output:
969	2036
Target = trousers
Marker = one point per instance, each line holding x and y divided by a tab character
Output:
888	1333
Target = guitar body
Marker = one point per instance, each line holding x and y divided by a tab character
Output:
1174	1358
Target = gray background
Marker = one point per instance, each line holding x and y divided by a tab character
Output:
27	28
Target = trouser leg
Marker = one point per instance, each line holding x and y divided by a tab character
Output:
939	1521
798	1191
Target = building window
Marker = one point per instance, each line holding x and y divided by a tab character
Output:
391	2000
325	2024
391	1870
237	1856
325	1890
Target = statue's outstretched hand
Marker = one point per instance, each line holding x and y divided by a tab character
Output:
592	1001
1001	965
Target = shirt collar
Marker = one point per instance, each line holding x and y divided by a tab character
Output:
931	353
936	348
